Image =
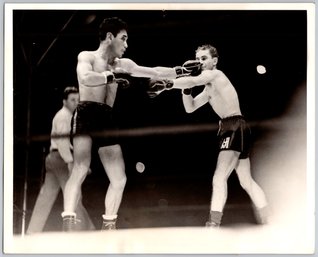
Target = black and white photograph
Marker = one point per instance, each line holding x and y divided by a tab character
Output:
204	143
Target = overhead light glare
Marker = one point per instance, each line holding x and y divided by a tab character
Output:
261	69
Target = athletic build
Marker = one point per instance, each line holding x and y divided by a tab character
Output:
99	75
233	134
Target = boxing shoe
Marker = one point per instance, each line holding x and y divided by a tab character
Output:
69	222
108	224
261	215
211	224
214	219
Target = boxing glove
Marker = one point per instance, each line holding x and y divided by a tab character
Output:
157	86
189	68
122	80
109	77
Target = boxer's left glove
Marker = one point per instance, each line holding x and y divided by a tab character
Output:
189	68
121	79
158	86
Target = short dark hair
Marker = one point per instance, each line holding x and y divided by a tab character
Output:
68	91
212	49
113	25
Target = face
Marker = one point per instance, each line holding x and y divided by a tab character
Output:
119	43
72	101
205	58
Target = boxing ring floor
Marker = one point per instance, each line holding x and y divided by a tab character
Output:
172	220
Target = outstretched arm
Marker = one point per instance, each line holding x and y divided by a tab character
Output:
189	68
85	74
188	82
125	65
135	70
158	86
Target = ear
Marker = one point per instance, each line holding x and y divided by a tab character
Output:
109	35
215	60
64	101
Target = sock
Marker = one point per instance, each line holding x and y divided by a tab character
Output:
109	217
261	214
68	213
216	216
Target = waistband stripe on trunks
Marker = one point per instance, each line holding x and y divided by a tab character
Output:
95	103
233	117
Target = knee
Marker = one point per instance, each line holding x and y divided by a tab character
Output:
119	184
112	153
79	172
219	180
245	182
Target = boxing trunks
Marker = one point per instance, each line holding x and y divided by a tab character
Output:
235	134
94	119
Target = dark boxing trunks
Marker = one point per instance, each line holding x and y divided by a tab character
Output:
94	119
235	134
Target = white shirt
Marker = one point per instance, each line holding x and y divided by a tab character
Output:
61	125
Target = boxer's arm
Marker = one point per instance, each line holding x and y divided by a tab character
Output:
188	82
191	104
136	70
85	74
189	68
165	72
158	86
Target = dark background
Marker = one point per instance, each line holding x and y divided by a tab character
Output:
46	45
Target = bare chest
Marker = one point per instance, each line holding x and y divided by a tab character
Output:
211	90
101	65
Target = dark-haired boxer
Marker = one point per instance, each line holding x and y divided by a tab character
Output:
99	75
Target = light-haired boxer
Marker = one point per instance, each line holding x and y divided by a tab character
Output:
58	164
234	133
99	75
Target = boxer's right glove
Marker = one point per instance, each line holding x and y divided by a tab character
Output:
109	77
189	68
122	80
158	86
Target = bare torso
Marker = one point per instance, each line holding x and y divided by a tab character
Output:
222	96
100	93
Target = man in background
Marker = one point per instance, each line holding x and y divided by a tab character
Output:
58	165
